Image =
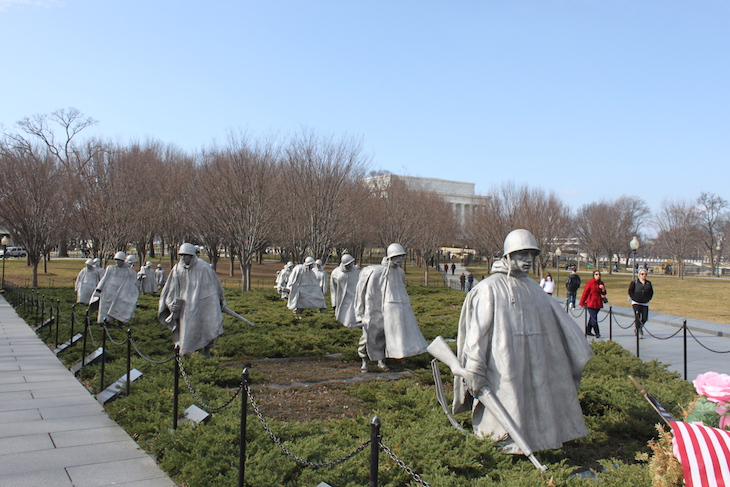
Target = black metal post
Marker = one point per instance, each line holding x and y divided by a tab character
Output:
176	391
58	321
83	345
374	451
103	355
684	325
585	320
242	437
73	320
129	359
636	332
610	322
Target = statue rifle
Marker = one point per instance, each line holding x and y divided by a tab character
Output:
441	350
229	311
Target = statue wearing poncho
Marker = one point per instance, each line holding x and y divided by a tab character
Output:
343	283
191	304
86	283
147	277
519	342
119	292
304	289
390	328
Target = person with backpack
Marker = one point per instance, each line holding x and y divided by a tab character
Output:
640	293
572	284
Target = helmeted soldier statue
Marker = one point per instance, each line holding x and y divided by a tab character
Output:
160	276
191	303
86	283
146	276
516	340
117	291
282	280
390	328
343	284
321	275
304	289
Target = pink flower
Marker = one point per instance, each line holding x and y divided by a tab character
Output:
725	421
715	387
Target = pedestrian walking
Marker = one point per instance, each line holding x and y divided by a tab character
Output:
547	284
593	297
470	278
453	269
640	293
462	281
572	284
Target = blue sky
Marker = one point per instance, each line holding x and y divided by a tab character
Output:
590	99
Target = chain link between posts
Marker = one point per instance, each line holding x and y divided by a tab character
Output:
279	443
205	406
402	465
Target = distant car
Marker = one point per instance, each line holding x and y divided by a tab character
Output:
13	252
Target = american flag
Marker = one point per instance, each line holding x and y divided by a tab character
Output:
704	453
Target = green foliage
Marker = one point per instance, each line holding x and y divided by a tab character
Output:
619	420
704	411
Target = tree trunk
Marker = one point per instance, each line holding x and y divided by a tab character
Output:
245	275
63	248
231	267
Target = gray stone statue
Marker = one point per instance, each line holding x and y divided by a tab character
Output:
192	302
282	280
160	276
321	274
117	291
390	329
343	283
98	268
86	283
146	277
516	340
304	289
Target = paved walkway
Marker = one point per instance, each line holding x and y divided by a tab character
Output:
52	431
655	344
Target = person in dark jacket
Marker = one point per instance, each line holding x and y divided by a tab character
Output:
640	293
572	283
592	299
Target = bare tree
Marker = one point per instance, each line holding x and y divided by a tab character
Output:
319	174
437	226
713	215
29	196
510	207
242	177
57	132
678	223
607	227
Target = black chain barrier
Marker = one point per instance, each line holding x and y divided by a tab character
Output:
108	335
663	338
703	345
402	465
195	395
619	324
144	357
283	448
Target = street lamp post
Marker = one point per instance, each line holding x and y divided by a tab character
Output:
558	253
4	243
719	256
634	245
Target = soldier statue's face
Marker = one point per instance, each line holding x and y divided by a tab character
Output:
120	263
187	259
348	267
522	260
397	260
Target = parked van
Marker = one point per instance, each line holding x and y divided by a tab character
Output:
13	252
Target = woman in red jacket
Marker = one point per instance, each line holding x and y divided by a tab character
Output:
592	299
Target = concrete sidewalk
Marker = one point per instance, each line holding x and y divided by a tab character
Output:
52	431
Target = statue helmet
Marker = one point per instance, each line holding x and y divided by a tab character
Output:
89	262
159	266
120	256
520	239
187	249
347	259
319	262
96	260
148	264
395	250
309	261
131	259
290	264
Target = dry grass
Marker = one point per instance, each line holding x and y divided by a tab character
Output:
694	297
